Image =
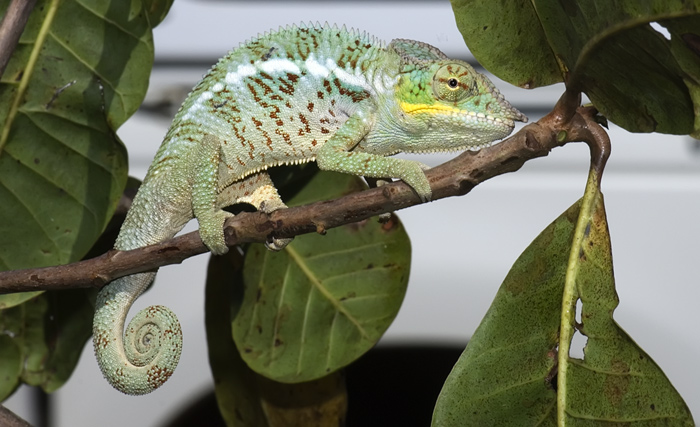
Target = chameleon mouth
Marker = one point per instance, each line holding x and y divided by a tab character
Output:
511	114
455	149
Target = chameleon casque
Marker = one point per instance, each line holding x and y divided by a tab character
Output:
335	96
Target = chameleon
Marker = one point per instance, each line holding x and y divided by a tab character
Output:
336	96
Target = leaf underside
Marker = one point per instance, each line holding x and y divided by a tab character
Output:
507	374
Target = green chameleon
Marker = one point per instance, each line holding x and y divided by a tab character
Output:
300	94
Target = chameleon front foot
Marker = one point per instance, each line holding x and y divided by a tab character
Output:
211	231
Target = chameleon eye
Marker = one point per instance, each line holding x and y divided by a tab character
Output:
453	83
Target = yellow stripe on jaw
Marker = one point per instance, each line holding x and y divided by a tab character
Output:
436	109
409	108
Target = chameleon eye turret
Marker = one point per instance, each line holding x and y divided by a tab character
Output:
453	83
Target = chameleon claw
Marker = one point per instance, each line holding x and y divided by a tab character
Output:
275	244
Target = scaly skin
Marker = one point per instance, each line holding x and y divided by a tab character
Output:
337	97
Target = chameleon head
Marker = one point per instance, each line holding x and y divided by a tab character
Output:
450	96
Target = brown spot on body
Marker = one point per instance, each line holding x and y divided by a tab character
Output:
286	86
292	78
305	122
238	135
253	92
275	110
356	96
266	89
285	136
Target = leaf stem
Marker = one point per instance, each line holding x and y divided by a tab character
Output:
571	294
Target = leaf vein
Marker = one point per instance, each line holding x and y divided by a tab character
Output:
316	282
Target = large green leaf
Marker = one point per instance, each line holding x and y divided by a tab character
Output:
517	368
616	381
325	300
607	49
44	338
80	70
505	375
245	398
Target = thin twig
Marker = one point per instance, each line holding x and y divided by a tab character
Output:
11	28
564	124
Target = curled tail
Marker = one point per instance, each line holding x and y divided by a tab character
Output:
143	359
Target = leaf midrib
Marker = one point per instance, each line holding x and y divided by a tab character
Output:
316	282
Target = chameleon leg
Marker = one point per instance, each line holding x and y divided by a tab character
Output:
204	194
259	191
336	155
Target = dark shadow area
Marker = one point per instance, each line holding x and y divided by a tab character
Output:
394	385
397	385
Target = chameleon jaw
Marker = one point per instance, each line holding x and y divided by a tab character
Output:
437	109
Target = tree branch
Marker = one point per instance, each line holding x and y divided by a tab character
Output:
10	419
11	28
566	123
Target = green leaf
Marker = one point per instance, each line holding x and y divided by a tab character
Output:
325	300
516	369
507	39
80	70
46	336
246	398
505	375
616	381
635	76
11	366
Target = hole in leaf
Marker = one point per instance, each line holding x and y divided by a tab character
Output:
579	307
578	343
661	30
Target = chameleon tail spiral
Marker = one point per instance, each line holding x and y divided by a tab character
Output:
141	360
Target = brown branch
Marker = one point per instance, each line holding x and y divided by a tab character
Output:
10	419
566	123
11	28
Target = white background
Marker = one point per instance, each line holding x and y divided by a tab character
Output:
463	247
